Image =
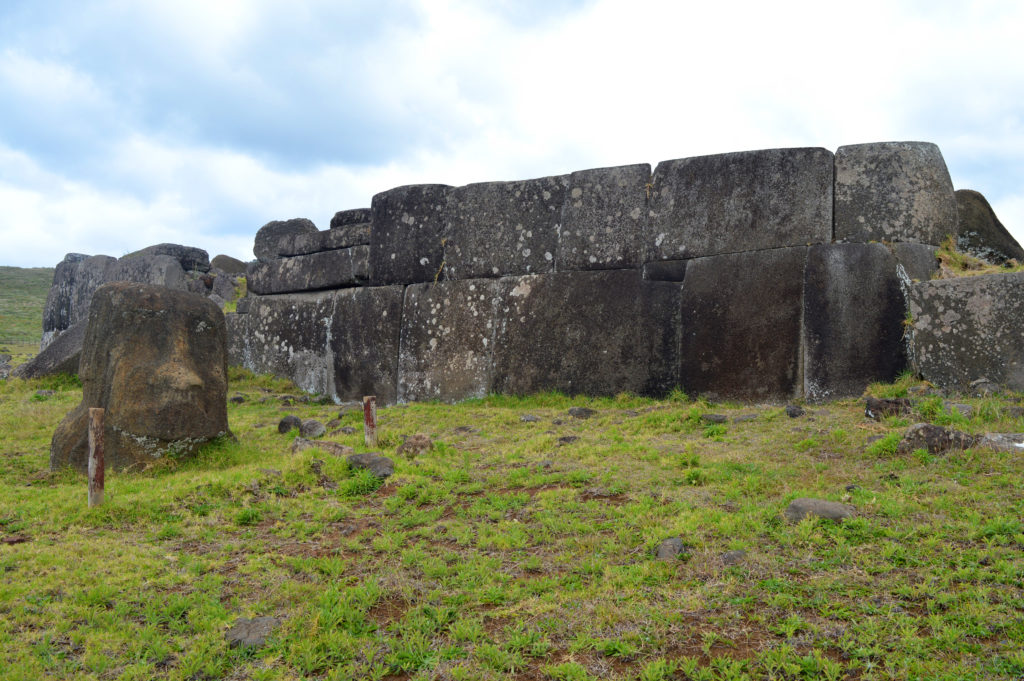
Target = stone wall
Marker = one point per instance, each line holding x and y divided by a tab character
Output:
760	275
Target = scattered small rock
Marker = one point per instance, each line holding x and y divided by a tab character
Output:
271	472
743	418
236	399
348	430
288	423
581	412
333	423
714	418
333	448
733	557
463	429
799	509
381	466
529	418
415	445
14	539
852	488
1002	442
46	393
251	633
965	410
557	422
597	493
311	428
630	413
878	409
935	439
794	410
671	549
287	400
567	439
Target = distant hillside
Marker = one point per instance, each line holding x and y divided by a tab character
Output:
22	298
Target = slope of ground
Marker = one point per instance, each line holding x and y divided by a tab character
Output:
22	298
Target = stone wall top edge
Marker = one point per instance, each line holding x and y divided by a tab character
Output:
740	154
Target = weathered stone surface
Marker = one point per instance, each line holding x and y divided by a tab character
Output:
935	439
301	444
665	270
733	557
352	216
448	339
751	200
155	360
670	549
59	300
328	240
969	329
312	429
741	325
317	271
364	339
272	235
251	633
59	357
799	509
794	411
407	240
593	333
223	284
853	319
158	270
893	191
980	233
1002	442
286	335
413	446
381	466
582	412
918	260
190	258
288	423
503	228
225	263
878	409
604	219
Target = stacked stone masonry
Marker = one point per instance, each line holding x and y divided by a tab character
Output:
760	275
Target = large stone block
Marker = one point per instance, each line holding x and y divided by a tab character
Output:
60	356
853	319
314	272
271	236
741	325
328	240
407	239
92	273
447	340
288	337
503	228
365	334
751	200
239	340
969	329
158	270
352	216
979	231
918	260
604	219
592	333
190	258
57	311
893	191
225	263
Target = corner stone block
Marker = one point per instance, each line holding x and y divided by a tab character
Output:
604	219
288	338
918	260
408	234
741	325
968	329
316	271
503	228
447	340
364	340
893	191
593	333
853	319
745	201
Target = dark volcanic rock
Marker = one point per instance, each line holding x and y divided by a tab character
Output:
893	191
312	429
317	271
794	411
853	319
744	201
59	357
156	360
671	549
381	466
980	232
503	228
190	258
604	221
968	330
592	333
226	263
329	240
741	324
408	236
365	331
918	260
270	236
74	281
415	445
801	508
935	439
352	216
878	409
158	270
581	412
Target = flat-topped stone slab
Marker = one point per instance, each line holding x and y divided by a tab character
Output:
352	216
271	236
741	325
503	228
317	271
408	236
893	191
604	220
364	338
745	201
345	236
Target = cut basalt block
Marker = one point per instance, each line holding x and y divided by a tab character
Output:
503	228
408	235
364	337
271	236
752	200
741	325
328	240
593	333
918	260
853	319
352	216
893	191
317	271
604	220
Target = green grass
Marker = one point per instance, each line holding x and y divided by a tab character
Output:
508	552
22	298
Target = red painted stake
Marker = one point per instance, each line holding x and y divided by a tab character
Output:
370	420
95	456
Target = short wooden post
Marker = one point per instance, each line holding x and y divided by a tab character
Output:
370	420
95	456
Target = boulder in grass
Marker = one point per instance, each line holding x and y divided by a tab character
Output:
380	466
251	633
804	507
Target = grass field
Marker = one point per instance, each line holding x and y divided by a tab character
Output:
519	549
22	297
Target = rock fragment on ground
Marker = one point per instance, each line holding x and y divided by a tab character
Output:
794	410
671	549
311	428
803	507
415	445
935	439
380	466
251	633
288	423
301	444
581	412
733	557
877	409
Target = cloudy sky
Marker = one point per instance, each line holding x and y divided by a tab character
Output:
125	123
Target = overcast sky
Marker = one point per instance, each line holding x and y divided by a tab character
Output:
125	123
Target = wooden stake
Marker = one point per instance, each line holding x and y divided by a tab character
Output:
370	420
95	456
